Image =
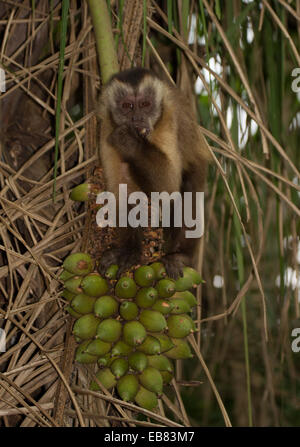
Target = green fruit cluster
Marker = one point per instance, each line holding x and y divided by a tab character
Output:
132	327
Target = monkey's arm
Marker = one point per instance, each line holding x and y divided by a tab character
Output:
150	167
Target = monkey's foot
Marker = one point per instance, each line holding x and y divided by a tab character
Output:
174	264
124	258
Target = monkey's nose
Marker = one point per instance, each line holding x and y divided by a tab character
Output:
136	119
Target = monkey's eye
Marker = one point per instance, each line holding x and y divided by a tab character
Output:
144	104
127	105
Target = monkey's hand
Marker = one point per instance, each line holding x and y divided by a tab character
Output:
174	263
142	131
124	258
128	140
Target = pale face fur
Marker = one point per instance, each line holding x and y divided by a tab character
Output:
139	106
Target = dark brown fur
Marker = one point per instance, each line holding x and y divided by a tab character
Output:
163	150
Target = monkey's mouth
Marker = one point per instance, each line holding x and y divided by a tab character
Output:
141	129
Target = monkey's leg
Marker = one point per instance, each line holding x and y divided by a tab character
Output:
180	251
126	254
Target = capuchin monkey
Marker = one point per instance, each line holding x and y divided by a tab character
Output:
150	141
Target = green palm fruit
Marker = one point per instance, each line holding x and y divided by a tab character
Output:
98	347
192	323
183	283
196	277
163	306
94	285
79	263
187	296
165	342
83	304
180	306
105	377
138	361
134	333
128	387
150	346
152	320
126	287
104	360
159	270
144	276
179	326
111	272
151	379
166	376
105	306
82	356
68	295
165	288
181	350
120	348
82	192
86	326
109	330
129	310
146	297
65	275
72	312
160	362
146	399
119	367
73	284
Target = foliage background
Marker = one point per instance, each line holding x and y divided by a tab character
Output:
235	61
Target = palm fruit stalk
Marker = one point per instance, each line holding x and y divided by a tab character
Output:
133	328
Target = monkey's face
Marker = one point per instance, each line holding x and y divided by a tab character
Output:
137	109
137	106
